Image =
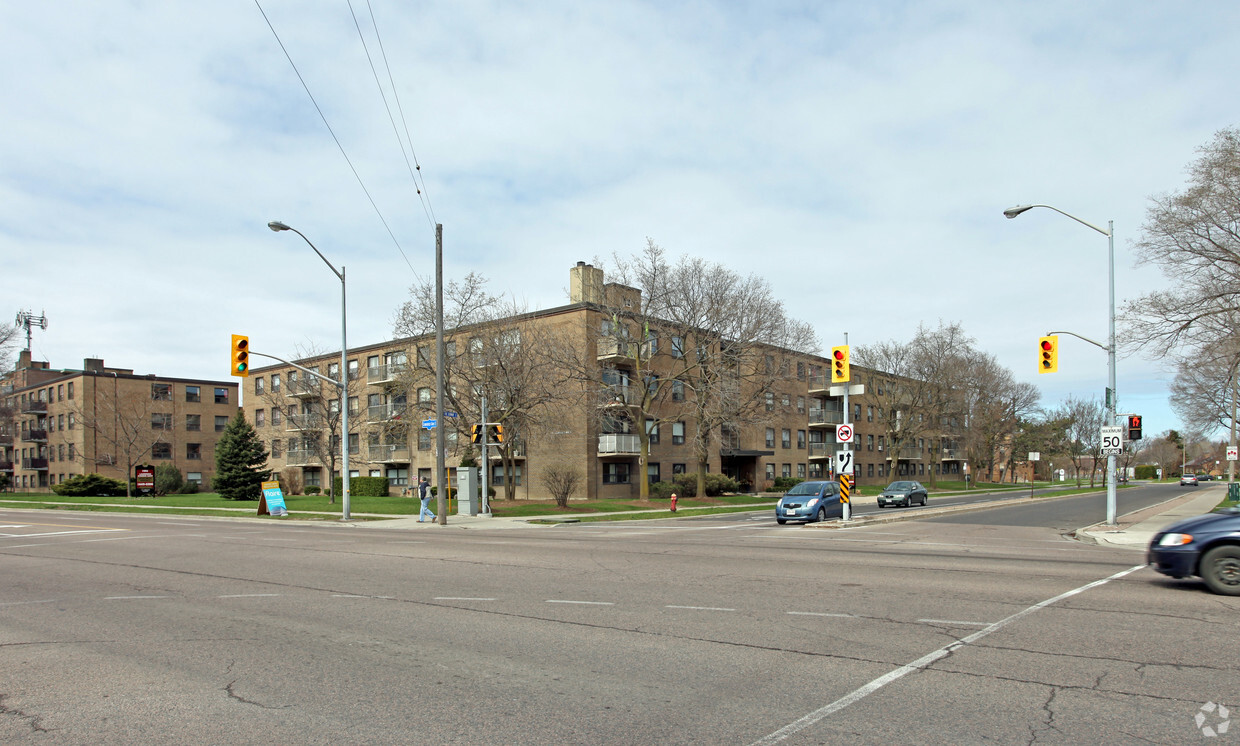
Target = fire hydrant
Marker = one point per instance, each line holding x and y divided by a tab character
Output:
673	502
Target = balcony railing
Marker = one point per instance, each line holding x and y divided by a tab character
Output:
821	450
385	373
38	464
825	416
611	444
387	452
303	421
6	467
34	436
302	387
610	348
516	450
301	457
6	439
34	407
390	411
620	394
818	382
951	454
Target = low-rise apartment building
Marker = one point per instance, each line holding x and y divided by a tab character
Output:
62	423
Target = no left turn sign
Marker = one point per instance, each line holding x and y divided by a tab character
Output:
843	433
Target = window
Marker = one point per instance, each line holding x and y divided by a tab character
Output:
194	476
869	442
678	433
192	393
770	437
652	429
398	477
275	383
678	347
770	401
800	371
770	472
161	421
260	418
678	391
497	474
652	473
60	422
785	441
353	405
221	422
72	420
258	386
353	371
615	473
313	477
801	439
221	396
880	442
869	470
275	416
424	440
70	389
276	448
801	404
60	450
161	392
800	471
678	468
193	422
785	400
60	393
652	347
161	451
426	395
786	471
856	413
333	371
193	451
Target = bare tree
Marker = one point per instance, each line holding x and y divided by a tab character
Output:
1204	390
561	482
9	339
1083	431
890	372
998	408
126	429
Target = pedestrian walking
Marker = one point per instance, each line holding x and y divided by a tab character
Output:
424	494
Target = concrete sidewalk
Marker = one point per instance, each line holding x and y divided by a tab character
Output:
1135	530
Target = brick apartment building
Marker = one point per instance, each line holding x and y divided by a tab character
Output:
62	423
391	387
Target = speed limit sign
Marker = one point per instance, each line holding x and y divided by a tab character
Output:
1112	441
843	433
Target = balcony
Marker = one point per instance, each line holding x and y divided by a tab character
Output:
620	395
6	467
951	454
37	464
821	450
384	412
823	416
385	373
34	436
818	383
6	439
387	453
909	453
304	421
515	451
301	388
301	457
616	444
34	407
615	351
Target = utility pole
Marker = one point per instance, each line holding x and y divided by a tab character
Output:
442	502
847	513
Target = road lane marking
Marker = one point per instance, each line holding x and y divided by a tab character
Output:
250	595
819	613
130	598
460	598
584	603
698	608
923	662
954	623
24	603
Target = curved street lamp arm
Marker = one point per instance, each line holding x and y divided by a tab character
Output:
1099	345
1012	212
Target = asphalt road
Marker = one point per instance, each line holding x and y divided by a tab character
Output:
142	629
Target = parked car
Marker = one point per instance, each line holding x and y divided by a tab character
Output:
903	493
1204	477
1187	479
1207	547
810	501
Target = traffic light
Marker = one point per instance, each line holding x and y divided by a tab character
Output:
497	433
240	363
1134	427
1048	354
839	364
475	434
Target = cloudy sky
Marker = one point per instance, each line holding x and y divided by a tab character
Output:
856	155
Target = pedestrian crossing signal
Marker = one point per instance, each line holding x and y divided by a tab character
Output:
1134	427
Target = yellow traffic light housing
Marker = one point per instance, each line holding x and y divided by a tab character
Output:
240	363
475	434
497	433
1048	354
840	372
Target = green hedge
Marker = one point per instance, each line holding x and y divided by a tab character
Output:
90	485
364	486
783	484
1145	472
685	485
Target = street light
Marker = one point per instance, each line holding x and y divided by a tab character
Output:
277	226
1012	212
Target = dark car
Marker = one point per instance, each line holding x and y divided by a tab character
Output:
1207	547
903	493
810	501
1204	477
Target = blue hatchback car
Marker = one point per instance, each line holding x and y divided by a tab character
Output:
1207	547
810	501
